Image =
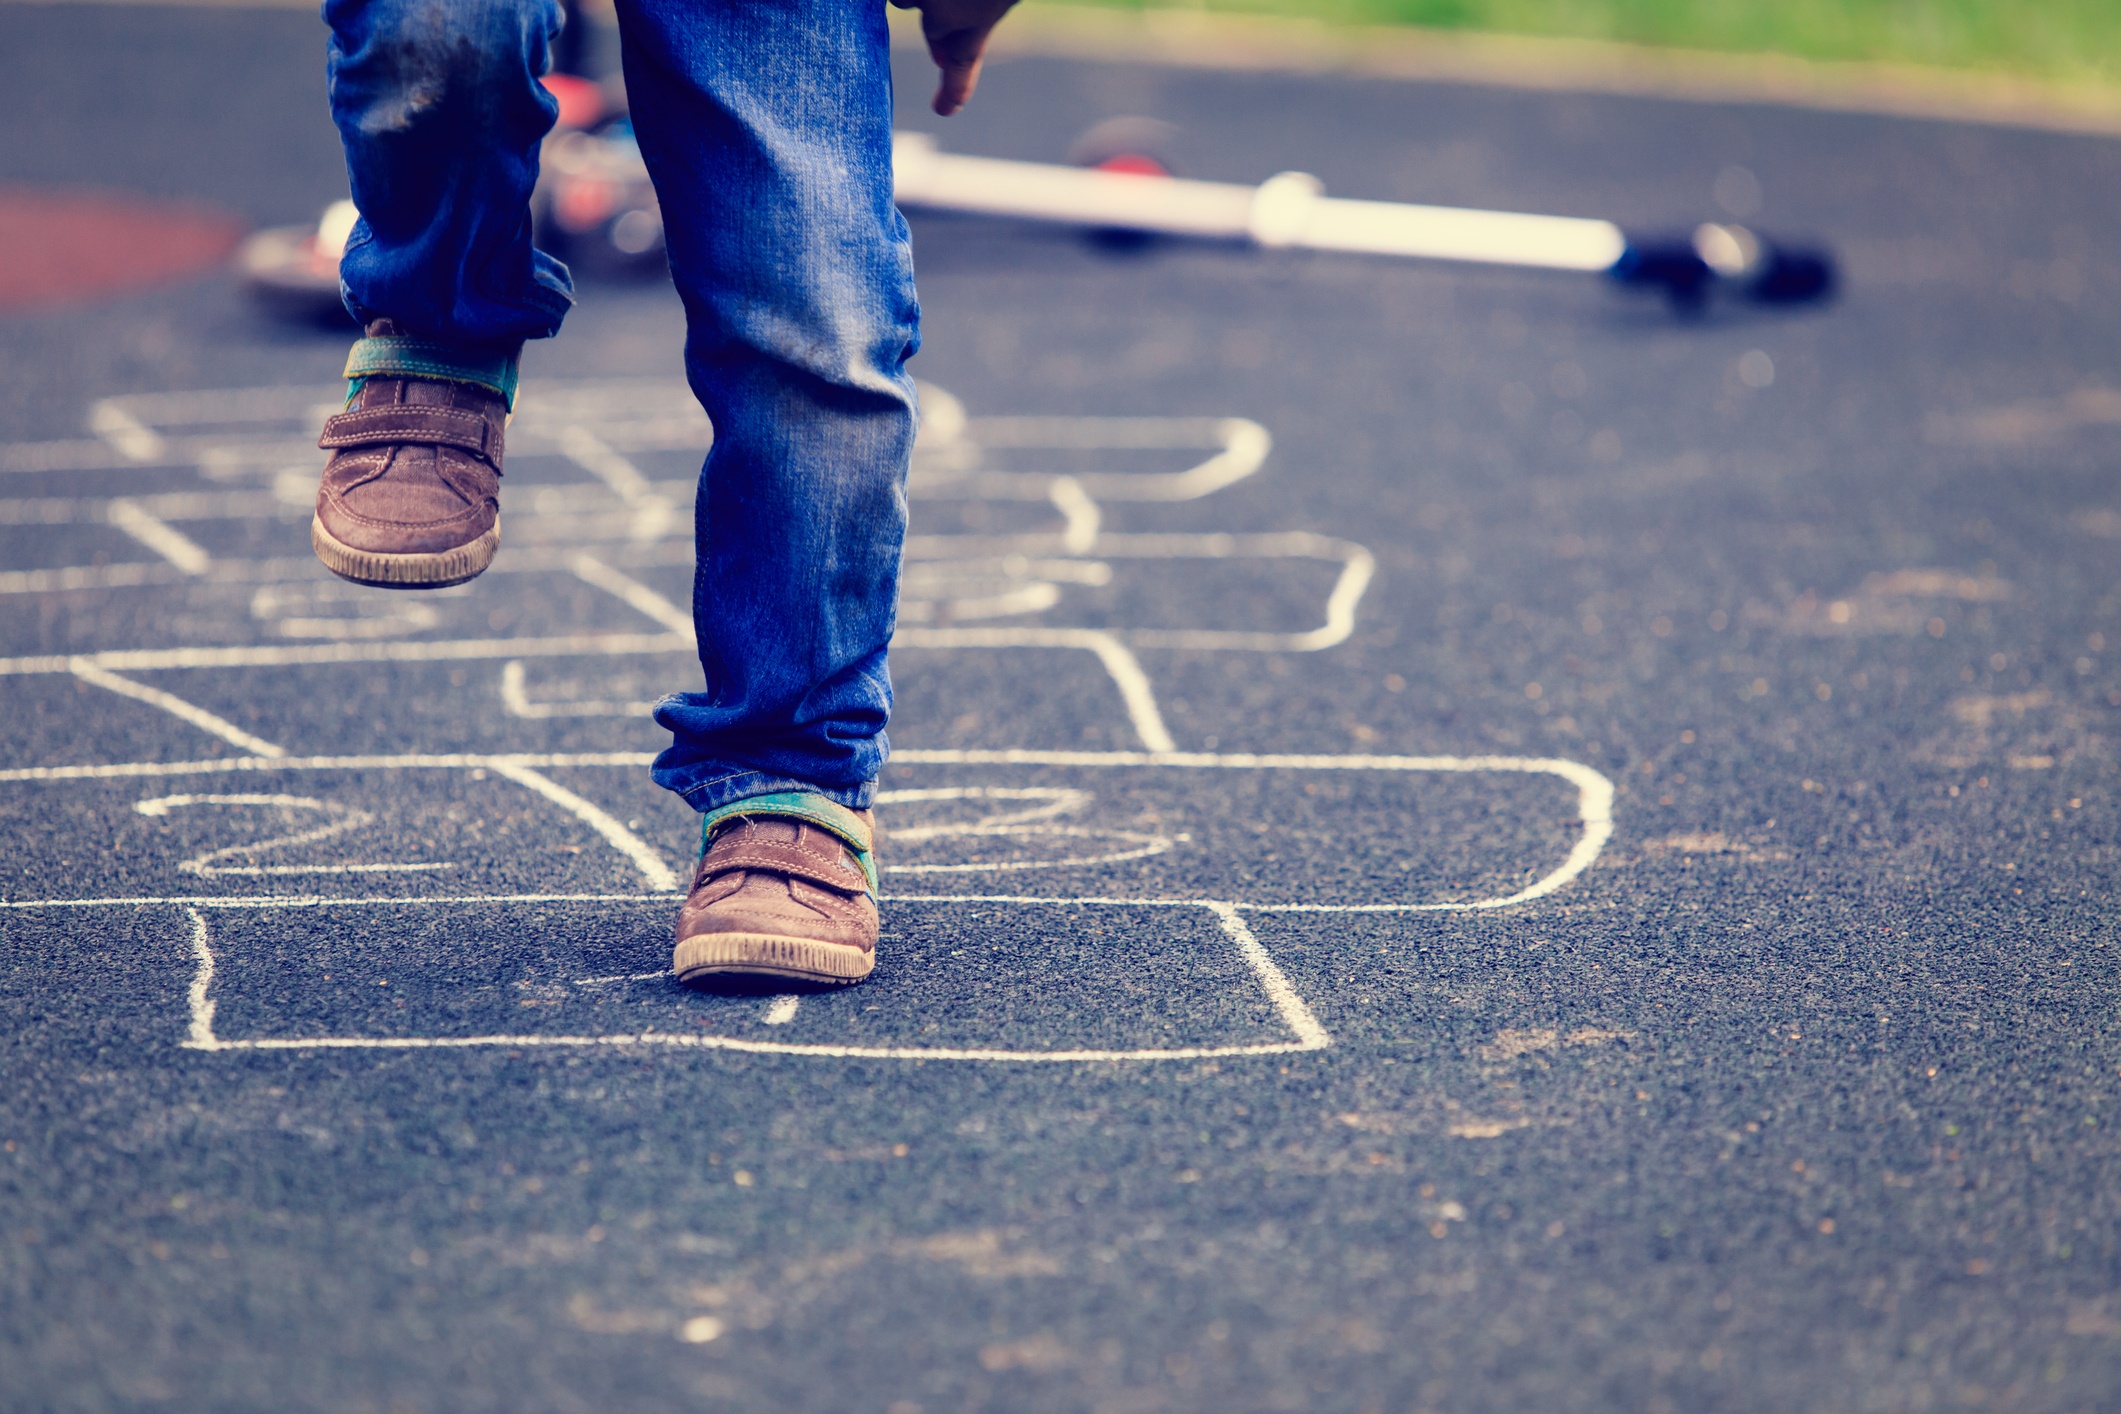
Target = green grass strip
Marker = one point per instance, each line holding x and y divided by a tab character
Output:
2073	42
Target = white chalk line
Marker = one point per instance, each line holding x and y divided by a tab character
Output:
629	414
305	609
66	454
290	870
654	516
110	419
547	507
515	701
143	429
284	655
346	820
1033	822
213	406
1594	797
1120	665
1594	801
414	761
1356	573
654	871
136	575
126	574
293	494
731	1043
150	430
1245	447
1132	845
257	902
1294	1014
618	836
591	453
159	536
1242	447
1033	598
1359	567
925	575
634	594
618	416
1094	434
201	1035
1081	514
1310	1036
166	506
86	670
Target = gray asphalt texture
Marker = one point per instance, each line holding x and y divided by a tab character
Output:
1801	1097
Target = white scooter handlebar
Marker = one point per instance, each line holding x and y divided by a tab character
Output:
1288	210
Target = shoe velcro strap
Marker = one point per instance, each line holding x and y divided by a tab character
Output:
402	356
807	806
399	423
814	856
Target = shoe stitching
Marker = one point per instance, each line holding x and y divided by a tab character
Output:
473	515
382	412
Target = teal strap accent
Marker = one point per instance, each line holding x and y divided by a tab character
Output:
816	810
400	356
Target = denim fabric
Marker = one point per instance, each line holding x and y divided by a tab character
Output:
440	112
766	125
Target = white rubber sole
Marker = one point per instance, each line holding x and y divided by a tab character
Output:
710	955
425	571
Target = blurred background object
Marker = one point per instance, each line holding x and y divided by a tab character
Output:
595	207
57	246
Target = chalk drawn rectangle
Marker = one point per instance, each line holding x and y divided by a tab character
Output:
962	981
1263	832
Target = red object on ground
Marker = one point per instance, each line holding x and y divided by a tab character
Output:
1134	164
58	246
581	101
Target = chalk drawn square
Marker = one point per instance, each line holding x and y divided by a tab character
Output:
1317	833
964	981
297	831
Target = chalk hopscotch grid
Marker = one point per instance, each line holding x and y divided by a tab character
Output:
1293	1012
130	436
1594	809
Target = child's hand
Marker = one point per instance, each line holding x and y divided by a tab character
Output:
956	31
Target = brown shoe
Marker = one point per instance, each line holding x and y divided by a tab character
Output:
411	495
785	891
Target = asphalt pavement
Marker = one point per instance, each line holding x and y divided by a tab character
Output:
1458	842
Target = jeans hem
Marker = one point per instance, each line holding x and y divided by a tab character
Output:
549	293
724	789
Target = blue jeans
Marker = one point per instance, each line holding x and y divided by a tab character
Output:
766	125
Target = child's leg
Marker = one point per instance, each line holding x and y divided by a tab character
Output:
441	112
767	127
